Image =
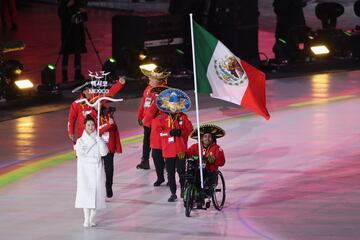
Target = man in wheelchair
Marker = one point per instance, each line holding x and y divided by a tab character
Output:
213	157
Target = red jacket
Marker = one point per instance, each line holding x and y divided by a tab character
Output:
109	132
214	150
77	113
152	111
79	110
155	139
141	108
171	146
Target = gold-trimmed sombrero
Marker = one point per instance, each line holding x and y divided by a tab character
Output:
173	100
158	89
158	73
216	131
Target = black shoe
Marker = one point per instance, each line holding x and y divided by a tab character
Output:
207	204
172	198
143	165
109	192
158	182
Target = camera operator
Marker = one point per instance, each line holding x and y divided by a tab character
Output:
109	132
72	14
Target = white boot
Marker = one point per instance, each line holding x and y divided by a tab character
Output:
86	217
92	217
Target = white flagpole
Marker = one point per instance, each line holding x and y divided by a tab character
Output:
196	102
98	118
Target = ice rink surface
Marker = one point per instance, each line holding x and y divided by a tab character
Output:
296	176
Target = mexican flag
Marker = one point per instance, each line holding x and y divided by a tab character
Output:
225	76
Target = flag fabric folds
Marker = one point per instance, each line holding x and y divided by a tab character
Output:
225	76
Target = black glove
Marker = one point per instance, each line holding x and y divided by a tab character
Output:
175	132
172	132
140	122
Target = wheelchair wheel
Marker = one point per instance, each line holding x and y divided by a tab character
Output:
218	194
189	200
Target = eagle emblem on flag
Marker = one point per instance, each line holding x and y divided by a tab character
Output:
229	70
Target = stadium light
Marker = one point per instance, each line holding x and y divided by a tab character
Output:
24	84
320	50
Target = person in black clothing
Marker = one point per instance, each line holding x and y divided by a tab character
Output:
72	14
290	27
236	24
328	12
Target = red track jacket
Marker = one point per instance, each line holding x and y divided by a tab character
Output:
214	150
145	104
109	132
78	111
171	146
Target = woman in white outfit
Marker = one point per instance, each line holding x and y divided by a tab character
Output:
90	192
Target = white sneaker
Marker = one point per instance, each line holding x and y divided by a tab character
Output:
86	224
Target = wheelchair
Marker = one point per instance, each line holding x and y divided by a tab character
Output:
214	188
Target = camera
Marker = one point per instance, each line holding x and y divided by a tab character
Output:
109	110
79	17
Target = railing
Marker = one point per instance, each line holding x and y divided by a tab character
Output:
136	5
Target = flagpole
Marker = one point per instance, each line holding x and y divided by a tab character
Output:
98	118
196	102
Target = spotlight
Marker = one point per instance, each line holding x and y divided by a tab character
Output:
18	71
51	66
143	54
110	66
148	67
320	50
357	8
48	76
328	12
24	84
180	51
329	42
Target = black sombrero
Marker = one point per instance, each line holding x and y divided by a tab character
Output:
216	131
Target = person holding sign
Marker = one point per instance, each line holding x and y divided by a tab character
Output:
79	109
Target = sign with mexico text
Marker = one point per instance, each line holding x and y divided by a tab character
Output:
99	84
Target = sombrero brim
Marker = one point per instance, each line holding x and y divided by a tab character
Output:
163	104
216	131
158	89
156	75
